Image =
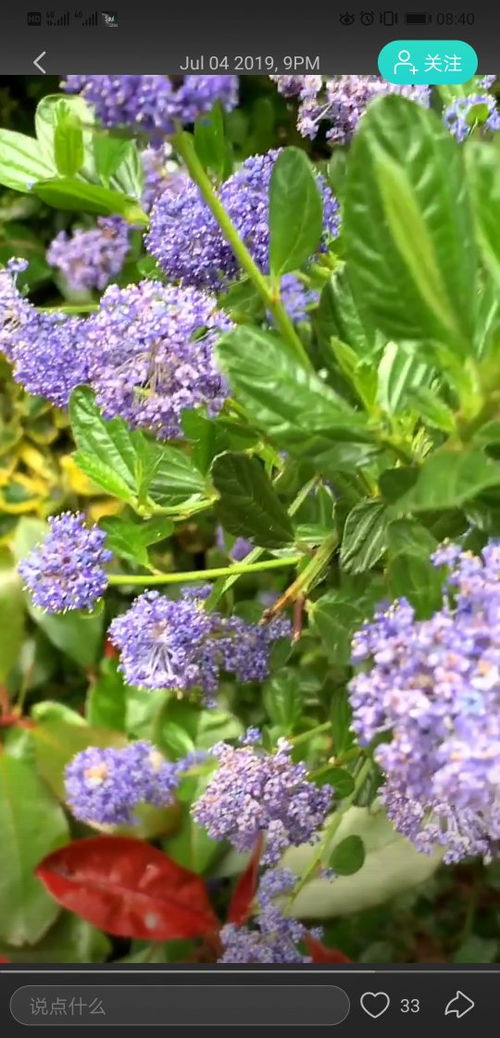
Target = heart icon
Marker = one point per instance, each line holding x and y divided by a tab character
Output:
375	1003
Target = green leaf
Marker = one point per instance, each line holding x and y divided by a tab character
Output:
47	117
448	479
408	226
400	374
57	742
248	505
11	614
106	705
171	478
22	162
335	617
484	179
410	572
77	634
242	302
51	710
65	193
283	699
289	404
70	939
340	717
392	866
341	780
363	540
68	143
130	540
475	950
210	143
295	212
107	449
348	856
32	825
339	317
191	846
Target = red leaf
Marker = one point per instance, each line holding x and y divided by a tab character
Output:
4	960
128	888
244	891
320	953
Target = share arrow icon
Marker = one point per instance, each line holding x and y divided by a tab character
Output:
459	1005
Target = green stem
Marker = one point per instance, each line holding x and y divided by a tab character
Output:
296	740
184	147
202	574
329	833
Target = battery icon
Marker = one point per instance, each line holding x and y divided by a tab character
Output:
417	18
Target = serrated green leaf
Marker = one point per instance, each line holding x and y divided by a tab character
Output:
66	193
248	505
447	479
130	540
363	540
283	699
408	226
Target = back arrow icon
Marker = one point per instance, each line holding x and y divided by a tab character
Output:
39	67
459	1005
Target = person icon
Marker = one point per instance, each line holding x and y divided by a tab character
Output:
404	61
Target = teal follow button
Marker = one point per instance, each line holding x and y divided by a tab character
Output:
427	61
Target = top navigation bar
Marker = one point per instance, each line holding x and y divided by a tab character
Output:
249	39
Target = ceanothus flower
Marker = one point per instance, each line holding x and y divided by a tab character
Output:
435	685
153	104
467	112
103	786
66	571
254	792
296	298
90	258
187	242
161	173
297	86
49	355
150	351
272	937
340	102
177	645
15	310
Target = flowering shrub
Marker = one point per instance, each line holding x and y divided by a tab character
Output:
258	688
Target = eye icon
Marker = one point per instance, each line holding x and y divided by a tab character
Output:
347	18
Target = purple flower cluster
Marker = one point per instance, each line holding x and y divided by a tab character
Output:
161	173
339	102
255	792
103	786
153	104
89	259
464	114
296	298
273	937
178	645
150	350
45	348
66	571
187	242
15	310
435	685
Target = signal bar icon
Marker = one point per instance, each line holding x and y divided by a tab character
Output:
92	21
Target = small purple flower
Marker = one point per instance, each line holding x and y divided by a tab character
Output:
153	104
467	112
435	686
50	359
272	937
296	298
255	792
296	86
186	240
161	174
66	571
103	786
89	259
150	351
340	102
15	310
178	645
